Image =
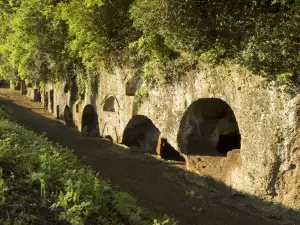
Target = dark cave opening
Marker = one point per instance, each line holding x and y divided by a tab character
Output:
52	100
90	126
68	117
209	128
109	104
46	100
142	133
167	152
229	142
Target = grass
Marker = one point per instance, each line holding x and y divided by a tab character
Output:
45	184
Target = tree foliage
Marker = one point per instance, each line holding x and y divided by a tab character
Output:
35	41
96	30
53	40
262	35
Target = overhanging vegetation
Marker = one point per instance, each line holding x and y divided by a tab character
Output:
161	39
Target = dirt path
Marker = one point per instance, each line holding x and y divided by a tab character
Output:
160	185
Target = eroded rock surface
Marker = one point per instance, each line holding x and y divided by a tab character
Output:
237	133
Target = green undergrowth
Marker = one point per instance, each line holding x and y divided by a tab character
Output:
45	184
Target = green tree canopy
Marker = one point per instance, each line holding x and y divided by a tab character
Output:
54	40
34	42
262	35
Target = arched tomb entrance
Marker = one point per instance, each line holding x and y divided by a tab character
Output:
209	127
90	126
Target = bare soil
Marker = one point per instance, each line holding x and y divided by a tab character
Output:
156	184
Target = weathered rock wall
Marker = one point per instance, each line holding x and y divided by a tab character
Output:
266	165
268	121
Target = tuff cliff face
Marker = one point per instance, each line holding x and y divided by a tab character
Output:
236	132
266	118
